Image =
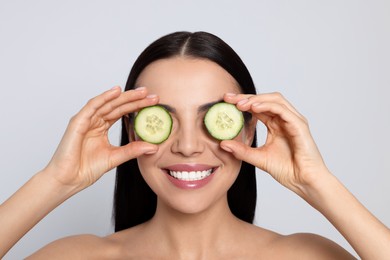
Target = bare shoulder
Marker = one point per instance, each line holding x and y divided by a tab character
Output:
267	244
309	246
119	245
77	247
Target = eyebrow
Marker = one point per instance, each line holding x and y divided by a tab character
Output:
201	108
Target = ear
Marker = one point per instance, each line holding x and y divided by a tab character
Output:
250	130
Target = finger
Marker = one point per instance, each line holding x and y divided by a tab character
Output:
278	98
270	110
124	98
244	102
130	151
99	101
277	117
243	152
130	107
81	123
237	98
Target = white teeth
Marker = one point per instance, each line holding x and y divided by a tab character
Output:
190	176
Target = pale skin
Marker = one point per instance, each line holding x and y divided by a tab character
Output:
194	224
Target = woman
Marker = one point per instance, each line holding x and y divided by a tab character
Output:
165	217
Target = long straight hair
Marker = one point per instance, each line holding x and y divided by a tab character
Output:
134	201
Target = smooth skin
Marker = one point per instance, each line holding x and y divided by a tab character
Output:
193	224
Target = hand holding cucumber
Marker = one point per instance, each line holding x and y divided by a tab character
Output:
85	153
289	154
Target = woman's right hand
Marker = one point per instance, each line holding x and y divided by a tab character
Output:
290	154
85	153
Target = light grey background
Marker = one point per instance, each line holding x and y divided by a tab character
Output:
330	58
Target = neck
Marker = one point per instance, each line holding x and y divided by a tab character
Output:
194	233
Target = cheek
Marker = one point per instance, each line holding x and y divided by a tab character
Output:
231	173
145	165
245	136
149	172
236	165
230	163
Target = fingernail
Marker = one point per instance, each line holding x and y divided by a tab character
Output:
140	89
230	94
151	96
243	101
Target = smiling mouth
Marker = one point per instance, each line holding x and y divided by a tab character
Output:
191	175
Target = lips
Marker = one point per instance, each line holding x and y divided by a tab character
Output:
190	176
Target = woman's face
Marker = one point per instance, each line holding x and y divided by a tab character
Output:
188	86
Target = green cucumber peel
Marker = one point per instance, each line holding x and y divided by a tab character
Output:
224	121
153	124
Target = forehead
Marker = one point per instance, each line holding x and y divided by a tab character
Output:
190	79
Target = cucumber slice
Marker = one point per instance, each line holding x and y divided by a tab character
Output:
224	121
153	124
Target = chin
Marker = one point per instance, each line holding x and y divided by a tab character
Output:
191	206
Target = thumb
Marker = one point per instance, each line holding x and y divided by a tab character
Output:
130	151
241	151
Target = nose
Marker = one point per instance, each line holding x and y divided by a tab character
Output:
188	140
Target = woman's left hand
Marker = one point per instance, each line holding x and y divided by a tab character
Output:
289	154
